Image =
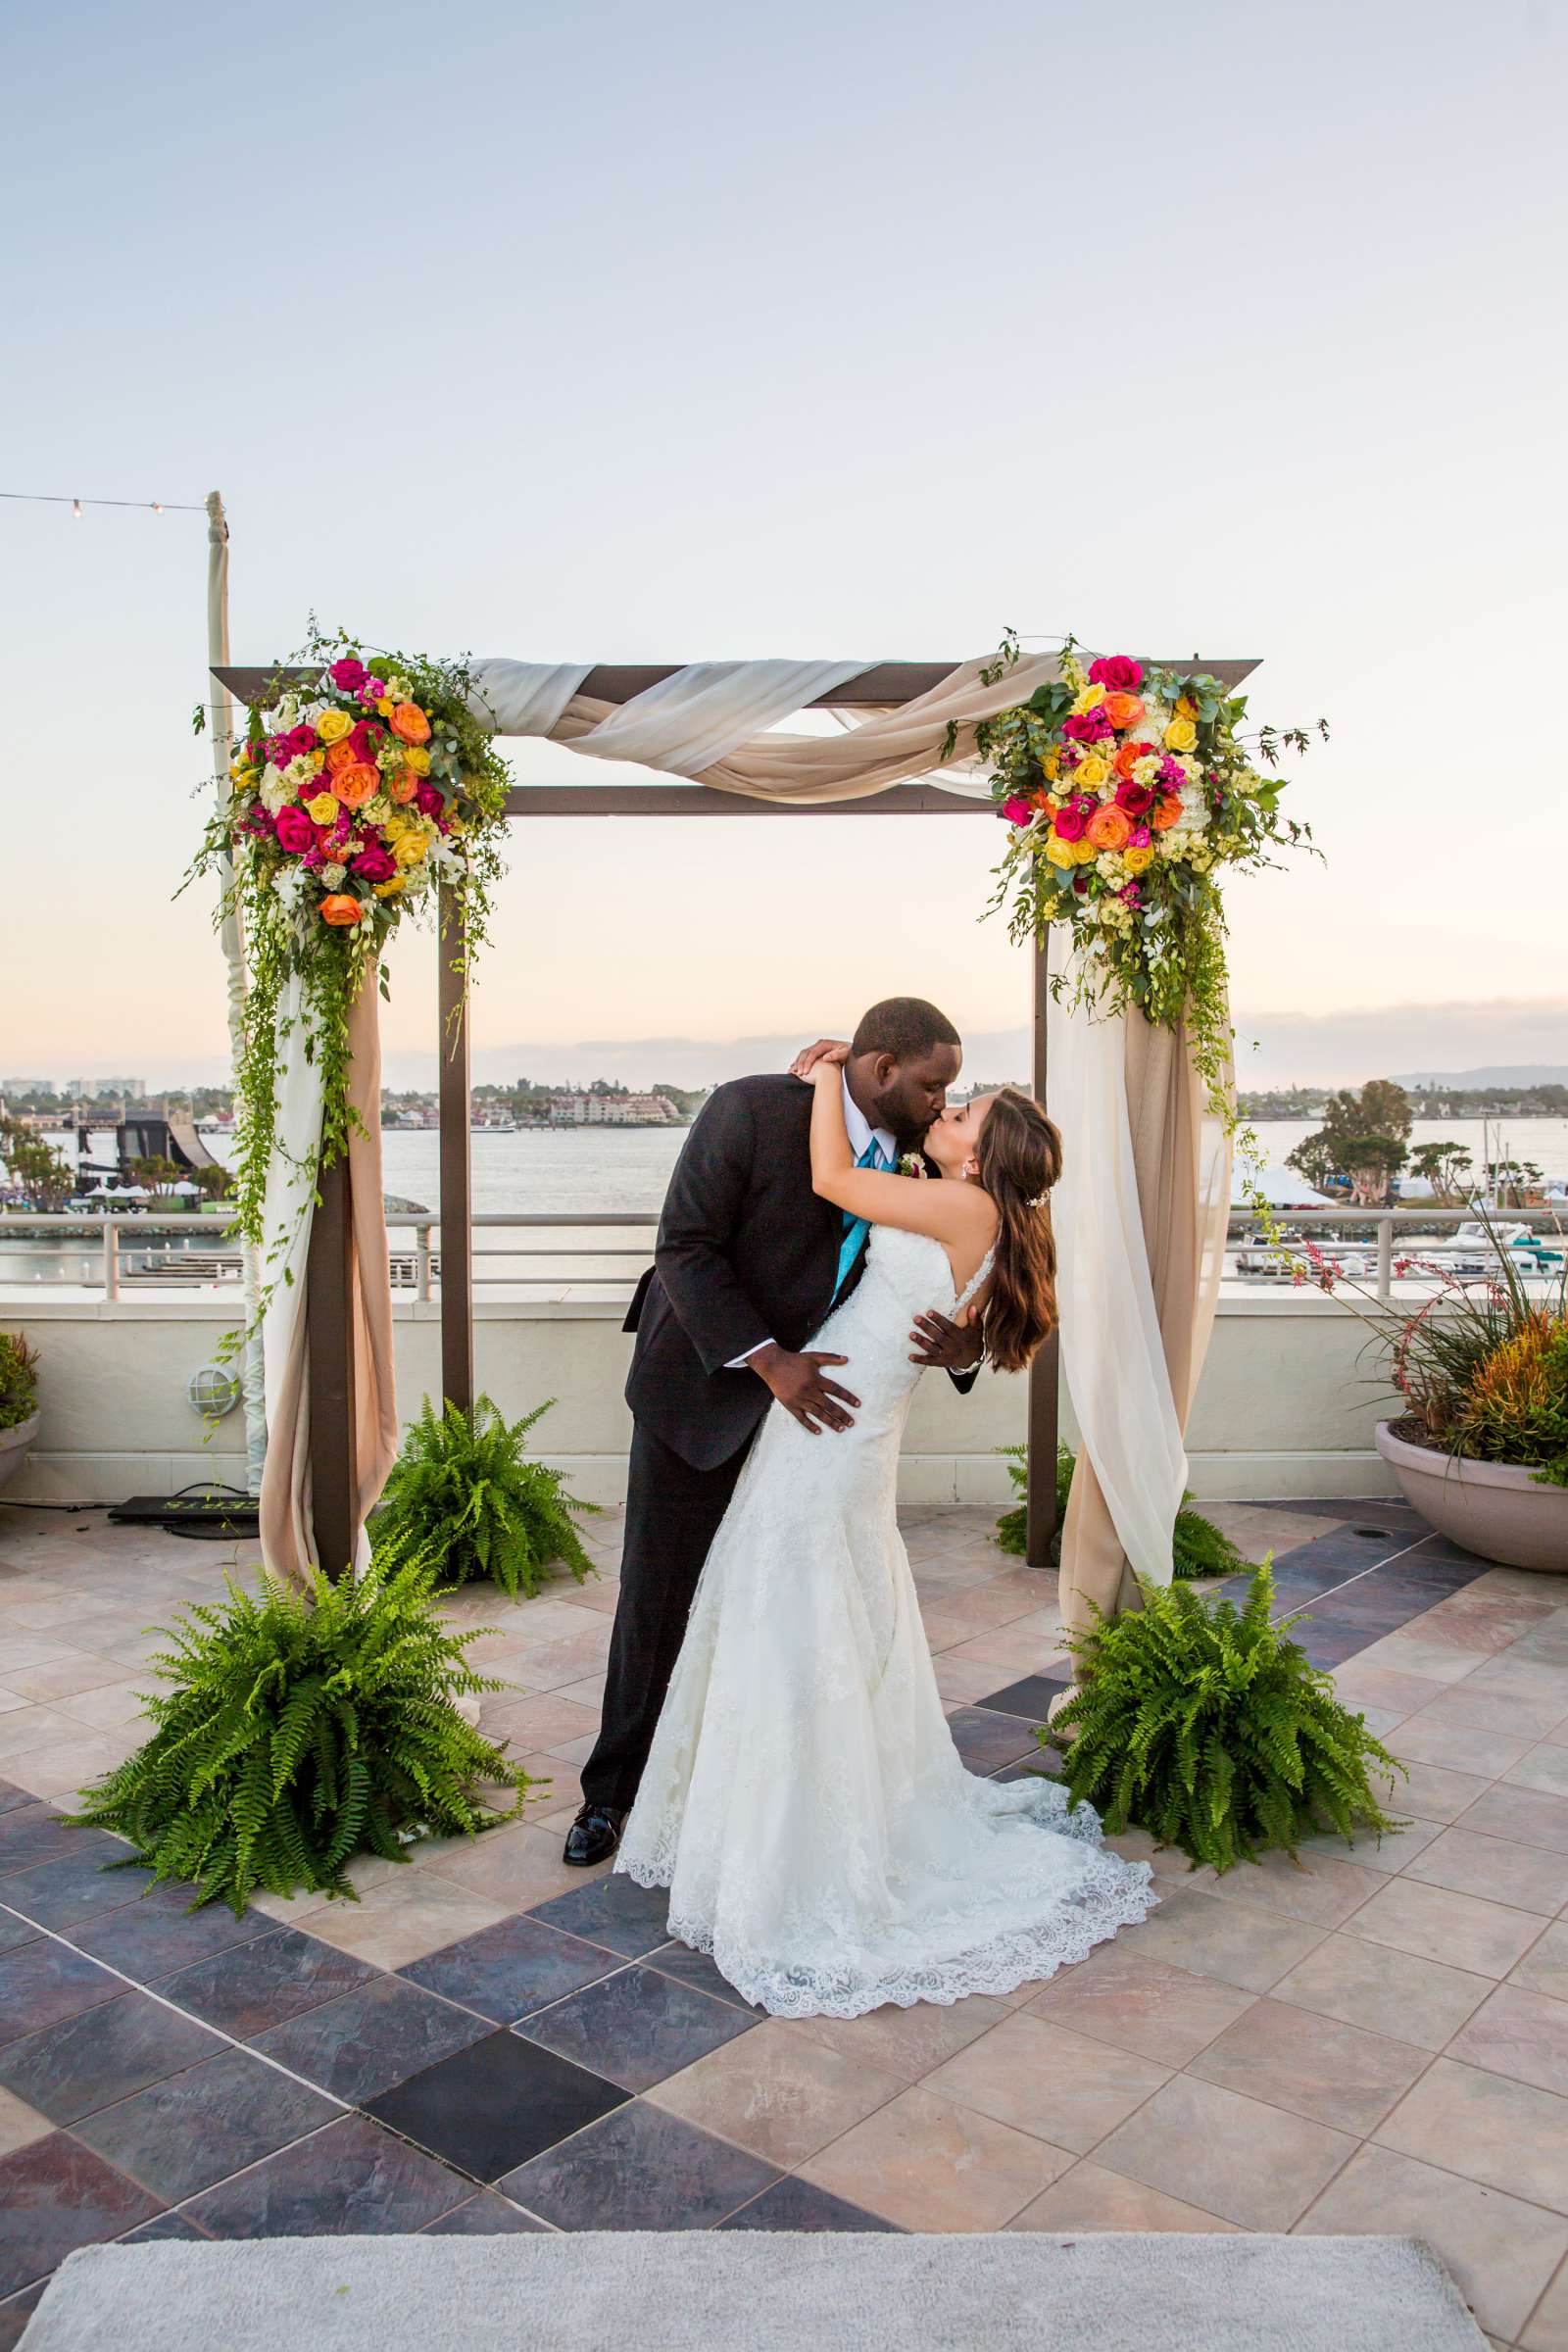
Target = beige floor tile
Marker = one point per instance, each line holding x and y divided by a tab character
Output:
1091	2198
965	1680
780	2094
1136	2003
1235	1942
1514	1713
1519	2032
1387	1991
1316	2066
24	1730
1545	1966
1388	1854
110	1706
910	2042
1548	2331
67	1767
61	1679
1253	2164
1527	1877
1409	1654
1500	2251
1545	1767
1359	1684
1014	1655
1503	2134
1524	1814
1460	1747
20	2123
1436	1923
20	1650
11	1700
925	2164
404	1919
1322	1889
1430	1792
515	1867
1042	2077
538	1721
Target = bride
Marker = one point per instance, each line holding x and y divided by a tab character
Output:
804	1801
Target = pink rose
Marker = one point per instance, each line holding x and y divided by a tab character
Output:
295	831
1088	726
1119	674
366	737
374	864
348	675
301	741
427	800
1018	812
1136	798
1068	823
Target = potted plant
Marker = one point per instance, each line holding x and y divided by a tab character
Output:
19	1400
1481	1448
465	1493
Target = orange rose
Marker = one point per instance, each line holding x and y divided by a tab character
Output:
1109	828
409	723
341	755
401	783
340	909
1123	710
1166	809
357	784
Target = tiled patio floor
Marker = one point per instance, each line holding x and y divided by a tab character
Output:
489	2042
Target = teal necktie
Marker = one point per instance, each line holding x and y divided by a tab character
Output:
856	1229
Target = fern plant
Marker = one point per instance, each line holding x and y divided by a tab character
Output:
465	1491
1198	1545
300	1728
1204	1723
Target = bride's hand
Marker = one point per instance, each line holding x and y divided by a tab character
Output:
830	1050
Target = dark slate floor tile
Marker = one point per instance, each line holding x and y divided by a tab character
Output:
640	2168
55	2196
15	1930
1329	1640
986	1740
1341	1555
512	1968
198	2127
40	1832
42	1982
698	1969
15	2312
794	2204
63	1893
164	2225
613	1911
351	2180
1031	1699
266	1982
11	1797
1382	1607
105	2053
1436	1571
483	2215
636	2027
159	1933
362	2043
497	2104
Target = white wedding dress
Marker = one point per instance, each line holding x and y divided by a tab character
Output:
804	1801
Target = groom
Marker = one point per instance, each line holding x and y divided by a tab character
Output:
747	1262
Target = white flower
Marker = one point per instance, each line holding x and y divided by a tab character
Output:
290	882
333	876
276	790
299	771
312	714
377	808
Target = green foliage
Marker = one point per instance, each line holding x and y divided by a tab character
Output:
464	1490
1204	1723
299	1729
1198	1547
18	1380
35	1166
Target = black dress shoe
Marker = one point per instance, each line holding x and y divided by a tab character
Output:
593	1836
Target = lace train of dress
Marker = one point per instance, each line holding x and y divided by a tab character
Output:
804	1801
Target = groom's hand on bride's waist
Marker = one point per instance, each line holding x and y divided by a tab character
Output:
803	1388
943	1345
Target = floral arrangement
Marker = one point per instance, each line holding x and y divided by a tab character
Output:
367	786
1127	790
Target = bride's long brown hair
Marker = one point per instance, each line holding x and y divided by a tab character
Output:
1019	1159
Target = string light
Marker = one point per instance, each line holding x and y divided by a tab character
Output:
148	505
75	510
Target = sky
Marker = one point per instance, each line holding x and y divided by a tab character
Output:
659	334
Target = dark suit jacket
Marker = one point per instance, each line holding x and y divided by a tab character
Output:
746	1252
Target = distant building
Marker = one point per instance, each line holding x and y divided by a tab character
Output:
612	1110
26	1086
83	1090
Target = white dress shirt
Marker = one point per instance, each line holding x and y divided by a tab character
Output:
862	1135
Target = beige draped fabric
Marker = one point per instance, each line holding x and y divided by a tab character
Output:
1182	1157
288	1545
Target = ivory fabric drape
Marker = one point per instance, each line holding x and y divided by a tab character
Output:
288	1545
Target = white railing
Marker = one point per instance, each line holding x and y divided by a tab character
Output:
113	1244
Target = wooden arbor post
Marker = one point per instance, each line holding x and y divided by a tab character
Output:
328	1273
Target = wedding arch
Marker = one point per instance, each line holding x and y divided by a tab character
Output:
1140	1212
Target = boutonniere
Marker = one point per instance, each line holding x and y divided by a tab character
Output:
912	1164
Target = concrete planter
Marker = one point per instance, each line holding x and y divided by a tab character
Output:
1495	1509
13	1445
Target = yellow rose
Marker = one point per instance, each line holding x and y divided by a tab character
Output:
1052	765
333	725
415	756
1135	860
1092	771
389	890
409	849
318	758
1084	852
385	706
1186	707
1090	700
321	810
397	825
1059	851
1181	735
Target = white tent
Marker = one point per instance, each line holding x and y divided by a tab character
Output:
1281	1188
1416	1188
